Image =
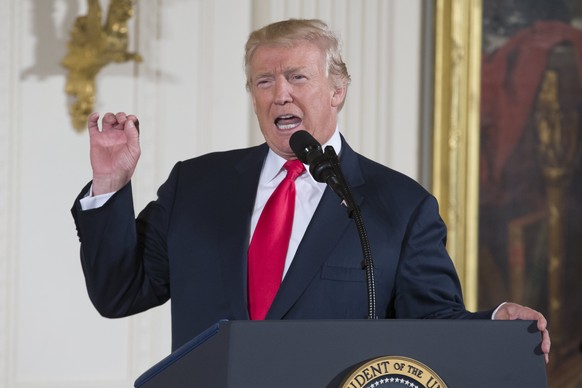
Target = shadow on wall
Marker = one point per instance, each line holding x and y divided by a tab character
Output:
51	39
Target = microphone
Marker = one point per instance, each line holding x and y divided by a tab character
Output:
324	167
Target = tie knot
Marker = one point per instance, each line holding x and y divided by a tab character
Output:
294	168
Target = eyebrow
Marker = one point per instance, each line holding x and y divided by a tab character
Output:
295	70
286	72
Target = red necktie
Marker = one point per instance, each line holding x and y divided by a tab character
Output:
268	248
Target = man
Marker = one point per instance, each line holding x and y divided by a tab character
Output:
196	243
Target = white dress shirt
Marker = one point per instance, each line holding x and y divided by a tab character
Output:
308	195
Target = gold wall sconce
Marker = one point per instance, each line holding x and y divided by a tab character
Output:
94	44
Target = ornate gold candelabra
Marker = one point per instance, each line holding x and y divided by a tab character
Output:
94	44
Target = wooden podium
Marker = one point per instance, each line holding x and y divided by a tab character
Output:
325	354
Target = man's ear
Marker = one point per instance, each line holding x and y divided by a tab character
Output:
339	94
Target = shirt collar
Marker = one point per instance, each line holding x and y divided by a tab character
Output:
274	163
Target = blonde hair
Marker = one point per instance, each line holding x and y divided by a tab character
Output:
287	33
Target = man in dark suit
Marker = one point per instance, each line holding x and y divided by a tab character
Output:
192	243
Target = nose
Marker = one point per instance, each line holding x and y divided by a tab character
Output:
282	91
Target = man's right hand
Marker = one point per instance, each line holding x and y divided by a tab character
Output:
114	150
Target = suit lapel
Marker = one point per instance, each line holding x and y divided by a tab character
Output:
325	229
239	207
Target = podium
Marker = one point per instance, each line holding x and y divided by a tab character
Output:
325	354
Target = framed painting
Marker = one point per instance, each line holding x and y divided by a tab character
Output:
507	158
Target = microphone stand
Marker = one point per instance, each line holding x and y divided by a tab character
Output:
354	213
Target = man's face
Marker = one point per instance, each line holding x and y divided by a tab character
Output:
291	92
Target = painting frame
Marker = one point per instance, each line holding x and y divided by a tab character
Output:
455	143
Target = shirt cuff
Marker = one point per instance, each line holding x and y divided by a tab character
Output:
89	201
495	311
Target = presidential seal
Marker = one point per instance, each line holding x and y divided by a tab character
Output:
393	371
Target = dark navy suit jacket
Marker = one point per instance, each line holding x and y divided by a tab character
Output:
191	244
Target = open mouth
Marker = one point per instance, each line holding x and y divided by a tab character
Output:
286	122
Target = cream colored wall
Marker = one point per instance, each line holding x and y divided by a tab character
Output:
189	94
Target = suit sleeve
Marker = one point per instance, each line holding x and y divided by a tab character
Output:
124	260
427	285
